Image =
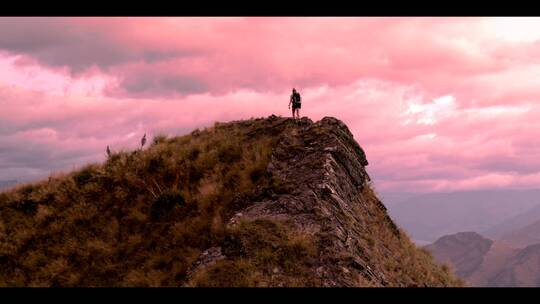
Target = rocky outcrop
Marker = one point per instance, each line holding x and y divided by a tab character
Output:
331	201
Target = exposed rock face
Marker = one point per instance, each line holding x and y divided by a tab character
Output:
330	202
207	258
328	174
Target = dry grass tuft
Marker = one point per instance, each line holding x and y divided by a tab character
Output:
262	253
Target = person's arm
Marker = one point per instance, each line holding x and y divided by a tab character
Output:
290	101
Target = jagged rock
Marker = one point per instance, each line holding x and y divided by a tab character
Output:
207	258
326	167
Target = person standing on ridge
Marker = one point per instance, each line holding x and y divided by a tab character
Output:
296	103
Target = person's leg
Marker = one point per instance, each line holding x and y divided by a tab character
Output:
293	112
298	113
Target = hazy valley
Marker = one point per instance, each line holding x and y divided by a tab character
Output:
490	238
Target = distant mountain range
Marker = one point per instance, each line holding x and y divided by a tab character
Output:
4	184
503	252
524	236
486	263
493	213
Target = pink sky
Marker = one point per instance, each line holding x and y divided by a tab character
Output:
438	104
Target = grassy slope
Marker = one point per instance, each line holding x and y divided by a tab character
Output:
97	226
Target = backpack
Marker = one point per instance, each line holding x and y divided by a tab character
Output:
296	98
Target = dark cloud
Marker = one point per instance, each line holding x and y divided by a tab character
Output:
162	84
508	164
32	34
37	155
25	161
493	163
429	172
59	42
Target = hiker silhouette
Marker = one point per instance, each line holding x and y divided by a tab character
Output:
296	102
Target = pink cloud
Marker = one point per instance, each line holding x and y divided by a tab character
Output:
437	103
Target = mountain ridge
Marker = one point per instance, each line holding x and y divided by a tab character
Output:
261	202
